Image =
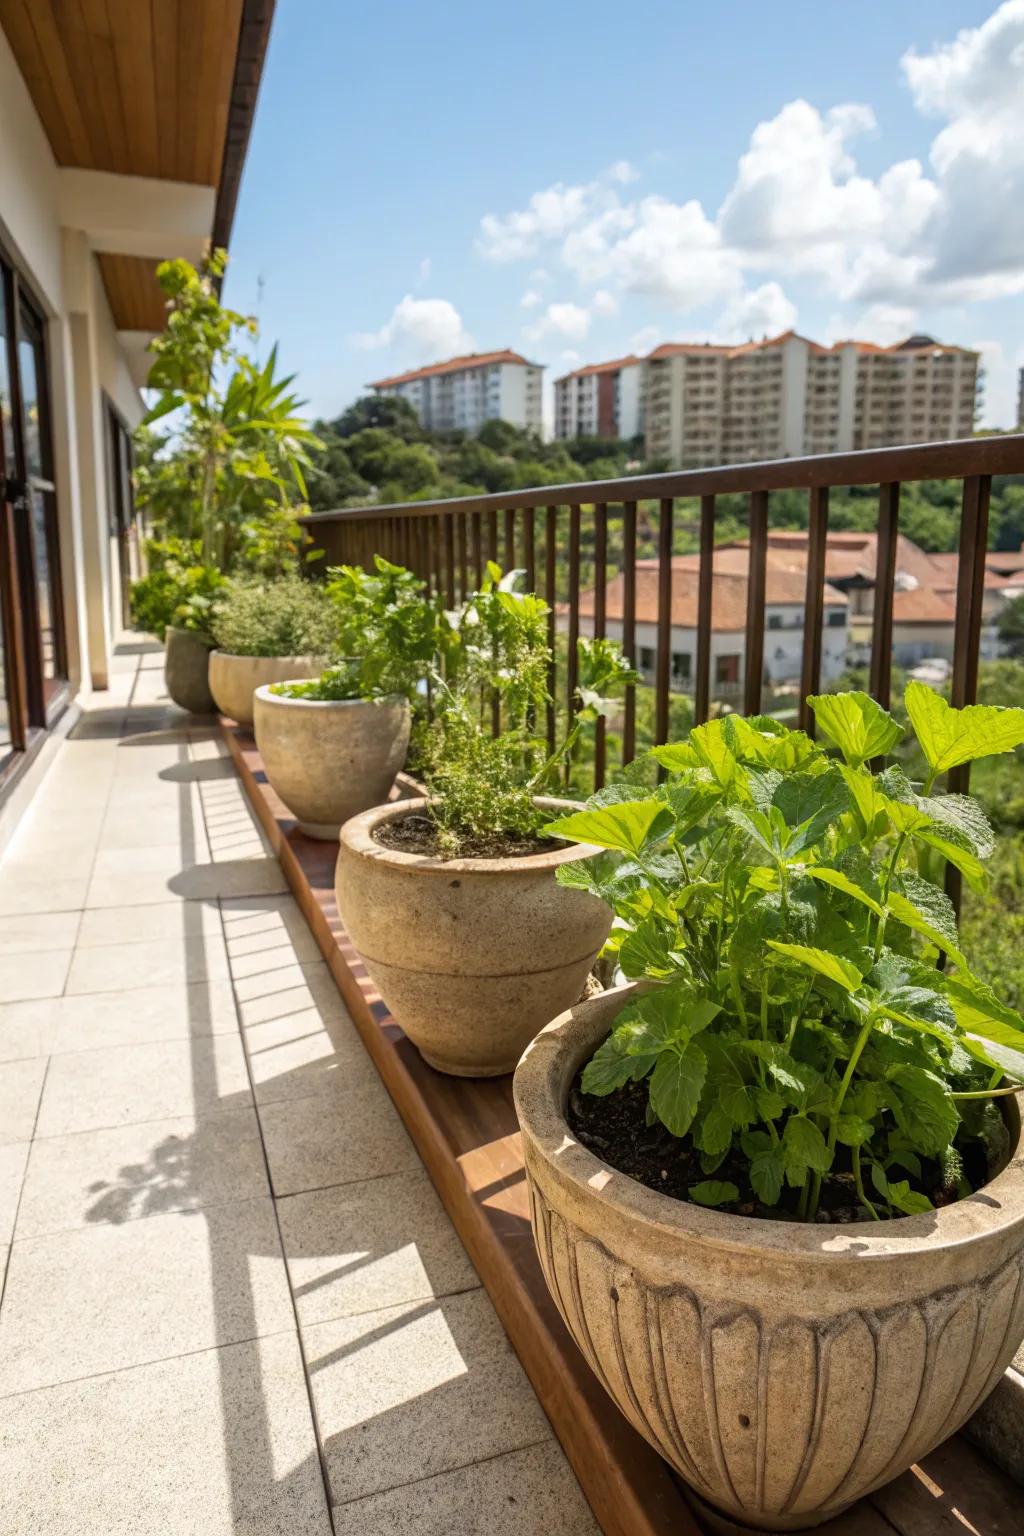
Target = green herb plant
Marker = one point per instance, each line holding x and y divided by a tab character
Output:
385	631
811	1029
177	590
292	616
494	660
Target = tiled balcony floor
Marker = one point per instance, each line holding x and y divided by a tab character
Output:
233	1302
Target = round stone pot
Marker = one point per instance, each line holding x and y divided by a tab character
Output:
330	759
234	679
783	1370
186	664
472	956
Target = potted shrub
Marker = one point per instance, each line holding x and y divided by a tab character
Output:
452	900
175	601
332	746
268	632
776	1182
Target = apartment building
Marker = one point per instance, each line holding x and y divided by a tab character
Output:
601	400
465	392
787	396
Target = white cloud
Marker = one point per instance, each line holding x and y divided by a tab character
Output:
568	320
604	303
530	299
764	311
913	236
644	340
423	275
424	330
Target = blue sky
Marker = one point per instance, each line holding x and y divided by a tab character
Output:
581	180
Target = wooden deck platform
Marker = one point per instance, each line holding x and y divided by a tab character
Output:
467	1135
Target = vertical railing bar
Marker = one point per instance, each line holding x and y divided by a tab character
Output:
970	592
754	648
571	659
629	626
492	537
814	603
550	541
664	656
462	539
448	557
705	597
880	675
600	603
510	538
529	549
478	548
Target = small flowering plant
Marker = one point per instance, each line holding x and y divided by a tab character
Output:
808	1028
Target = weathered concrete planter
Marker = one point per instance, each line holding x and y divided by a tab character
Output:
784	1370
234	679
472	956
330	759
186	665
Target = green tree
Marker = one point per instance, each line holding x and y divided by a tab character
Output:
1011	626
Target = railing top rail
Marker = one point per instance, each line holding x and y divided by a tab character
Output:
872	466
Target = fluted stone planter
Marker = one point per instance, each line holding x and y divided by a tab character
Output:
234	679
784	1370
330	759
472	956
186	668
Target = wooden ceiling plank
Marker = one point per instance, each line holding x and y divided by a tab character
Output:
226	59
54	58
133	51
166	24
85	46
189	104
17	25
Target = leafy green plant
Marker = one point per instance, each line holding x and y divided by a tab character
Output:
238	447
494	661
287	617
812	1026
385	628
177	590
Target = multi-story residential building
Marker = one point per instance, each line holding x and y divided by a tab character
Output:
601	400
788	396
464	392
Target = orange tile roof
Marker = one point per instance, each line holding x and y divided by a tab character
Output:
729	599
727	350
922	605
588	368
454	365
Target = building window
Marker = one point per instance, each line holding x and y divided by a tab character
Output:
646	659
775	621
835	618
681	666
727	669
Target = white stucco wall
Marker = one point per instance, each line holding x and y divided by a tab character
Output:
630	397
28	185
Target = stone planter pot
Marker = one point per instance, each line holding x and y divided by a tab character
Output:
234	679
186	665
783	1370
472	956
330	759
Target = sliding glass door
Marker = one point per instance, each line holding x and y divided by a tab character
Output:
33	655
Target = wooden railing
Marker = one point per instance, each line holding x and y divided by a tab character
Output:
576	539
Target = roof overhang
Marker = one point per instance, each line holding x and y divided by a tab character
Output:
148	112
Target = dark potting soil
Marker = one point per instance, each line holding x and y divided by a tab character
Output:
614	1127
418	834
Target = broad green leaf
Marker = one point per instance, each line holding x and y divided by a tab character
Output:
645	952
950	737
712	748
964	816
610	1068
979	1012
810	803
924	1111
713	1192
715	1133
908	1200
676	756
665	1018
834	967
950	844
841	882
852	1131
739	1102
626	826
859	726
692	803
926	909
804	1147
757	827
676	1084
863	787
767	1169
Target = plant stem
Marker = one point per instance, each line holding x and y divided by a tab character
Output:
989	1093
858	1181
851	1067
